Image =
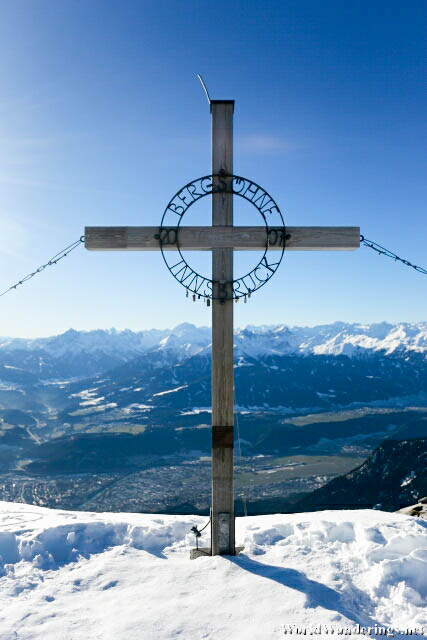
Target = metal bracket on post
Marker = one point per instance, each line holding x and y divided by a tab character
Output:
222	437
224	532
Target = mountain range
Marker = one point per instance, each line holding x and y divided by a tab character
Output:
84	353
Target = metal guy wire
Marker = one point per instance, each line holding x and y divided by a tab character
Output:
56	258
382	251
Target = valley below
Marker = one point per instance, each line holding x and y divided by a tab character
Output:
130	430
282	459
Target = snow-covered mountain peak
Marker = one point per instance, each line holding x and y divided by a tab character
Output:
185	340
352	339
184	328
259	341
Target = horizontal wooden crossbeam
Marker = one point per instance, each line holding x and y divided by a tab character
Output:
207	238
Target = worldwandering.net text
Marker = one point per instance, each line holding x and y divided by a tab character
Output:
331	629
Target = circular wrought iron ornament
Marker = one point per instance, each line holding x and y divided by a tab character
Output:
275	236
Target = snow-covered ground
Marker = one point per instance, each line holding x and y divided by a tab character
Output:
75	575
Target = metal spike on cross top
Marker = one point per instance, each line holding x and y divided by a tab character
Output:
272	237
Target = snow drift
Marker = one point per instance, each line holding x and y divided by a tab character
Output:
71	575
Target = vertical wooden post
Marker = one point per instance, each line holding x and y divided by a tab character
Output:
222	514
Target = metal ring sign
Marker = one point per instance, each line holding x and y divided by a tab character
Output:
198	284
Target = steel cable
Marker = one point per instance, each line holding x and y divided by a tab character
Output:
382	251
54	260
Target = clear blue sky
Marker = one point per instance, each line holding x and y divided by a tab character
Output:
102	119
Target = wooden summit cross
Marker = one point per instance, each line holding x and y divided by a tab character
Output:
221	238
